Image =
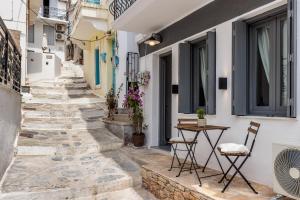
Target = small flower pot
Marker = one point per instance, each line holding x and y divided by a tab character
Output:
138	140
202	122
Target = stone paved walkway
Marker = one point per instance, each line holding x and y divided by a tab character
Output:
64	150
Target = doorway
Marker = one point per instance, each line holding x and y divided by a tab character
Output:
97	68
165	96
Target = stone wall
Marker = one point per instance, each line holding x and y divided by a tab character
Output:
166	189
10	119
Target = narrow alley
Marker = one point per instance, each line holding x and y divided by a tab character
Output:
61	144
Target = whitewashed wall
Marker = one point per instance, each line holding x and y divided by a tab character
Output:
13	12
126	44
57	48
273	130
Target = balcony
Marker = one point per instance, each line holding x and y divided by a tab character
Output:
10	57
53	15
89	17
147	16
118	7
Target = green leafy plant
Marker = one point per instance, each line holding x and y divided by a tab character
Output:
112	101
200	113
133	101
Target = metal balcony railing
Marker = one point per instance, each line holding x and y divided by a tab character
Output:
118	7
50	12
10	60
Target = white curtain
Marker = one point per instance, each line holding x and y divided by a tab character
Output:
284	91
203	70
264	49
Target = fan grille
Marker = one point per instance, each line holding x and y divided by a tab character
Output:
286	161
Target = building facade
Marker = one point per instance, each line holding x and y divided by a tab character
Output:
14	18
253	45
100	44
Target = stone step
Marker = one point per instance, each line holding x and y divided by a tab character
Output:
74	101
68	141
58	91
71	177
63	97
127	194
85	114
61	124
66	86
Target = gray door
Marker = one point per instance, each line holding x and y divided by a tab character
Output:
165	118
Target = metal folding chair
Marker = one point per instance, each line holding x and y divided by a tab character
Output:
238	151
176	141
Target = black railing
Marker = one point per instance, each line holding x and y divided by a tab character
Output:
118	7
132	70
10	60
50	12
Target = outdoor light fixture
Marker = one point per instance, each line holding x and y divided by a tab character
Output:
174	89
223	83
155	39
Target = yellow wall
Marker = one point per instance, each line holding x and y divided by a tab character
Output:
104	45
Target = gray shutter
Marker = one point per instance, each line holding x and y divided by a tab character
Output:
292	55
211	80
239	68
184	75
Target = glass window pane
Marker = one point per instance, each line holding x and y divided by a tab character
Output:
50	31
263	67
283	64
203	77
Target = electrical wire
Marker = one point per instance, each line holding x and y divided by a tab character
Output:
44	21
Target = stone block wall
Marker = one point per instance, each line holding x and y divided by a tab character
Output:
166	189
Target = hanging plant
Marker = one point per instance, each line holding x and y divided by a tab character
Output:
144	78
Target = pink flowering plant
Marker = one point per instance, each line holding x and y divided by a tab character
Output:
133	101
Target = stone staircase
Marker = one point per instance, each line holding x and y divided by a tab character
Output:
64	150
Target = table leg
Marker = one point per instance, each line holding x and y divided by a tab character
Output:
213	150
191	155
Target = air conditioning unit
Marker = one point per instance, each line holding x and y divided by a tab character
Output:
286	174
60	28
60	36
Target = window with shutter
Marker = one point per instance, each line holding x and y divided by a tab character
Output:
197	75
263	71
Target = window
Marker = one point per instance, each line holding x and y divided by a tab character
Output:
264	81
197	75
49	31
199	71
268	67
31	33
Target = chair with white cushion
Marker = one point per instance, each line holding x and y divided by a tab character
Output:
237	151
175	141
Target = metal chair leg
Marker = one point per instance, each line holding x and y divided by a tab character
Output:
238	172
224	176
173	158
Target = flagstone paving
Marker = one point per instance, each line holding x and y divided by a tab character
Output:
64	150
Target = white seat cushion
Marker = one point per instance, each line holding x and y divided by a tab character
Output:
232	148
180	139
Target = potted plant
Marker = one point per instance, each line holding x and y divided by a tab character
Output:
133	101
112	102
201	117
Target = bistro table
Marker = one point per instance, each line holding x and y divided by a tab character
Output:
197	130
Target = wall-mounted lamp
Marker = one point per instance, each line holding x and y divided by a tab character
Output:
223	83
155	39
174	89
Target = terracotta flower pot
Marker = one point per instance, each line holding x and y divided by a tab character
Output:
138	140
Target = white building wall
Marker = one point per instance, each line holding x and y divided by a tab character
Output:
273	129
126	44
13	12
57	48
